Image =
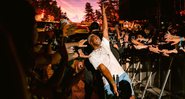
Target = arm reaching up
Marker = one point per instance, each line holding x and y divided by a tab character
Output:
105	23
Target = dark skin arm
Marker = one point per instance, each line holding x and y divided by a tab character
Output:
103	69
106	73
105	23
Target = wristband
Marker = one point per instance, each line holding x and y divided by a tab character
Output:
181	39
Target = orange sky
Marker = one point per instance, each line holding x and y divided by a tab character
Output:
75	8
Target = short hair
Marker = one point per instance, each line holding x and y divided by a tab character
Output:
89	37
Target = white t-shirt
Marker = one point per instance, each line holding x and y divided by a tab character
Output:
103	55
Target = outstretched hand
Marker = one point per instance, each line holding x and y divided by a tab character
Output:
104	7
154	49
81	43
174	40
168	52
81	54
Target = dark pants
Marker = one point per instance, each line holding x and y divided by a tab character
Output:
124	91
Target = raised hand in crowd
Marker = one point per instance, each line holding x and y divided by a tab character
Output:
136	42
154	49
167	52
81	54
140	47
81	43
168	36
173	39
71	50
78	44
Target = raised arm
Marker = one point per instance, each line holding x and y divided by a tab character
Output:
71	52
78	44
105	23
175	39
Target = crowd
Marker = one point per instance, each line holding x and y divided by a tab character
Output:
54	67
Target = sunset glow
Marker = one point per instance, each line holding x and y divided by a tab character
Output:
75	9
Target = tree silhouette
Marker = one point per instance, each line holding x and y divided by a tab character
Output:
50	8
98	15
89	17
112	10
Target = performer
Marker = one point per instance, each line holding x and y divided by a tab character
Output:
103	60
